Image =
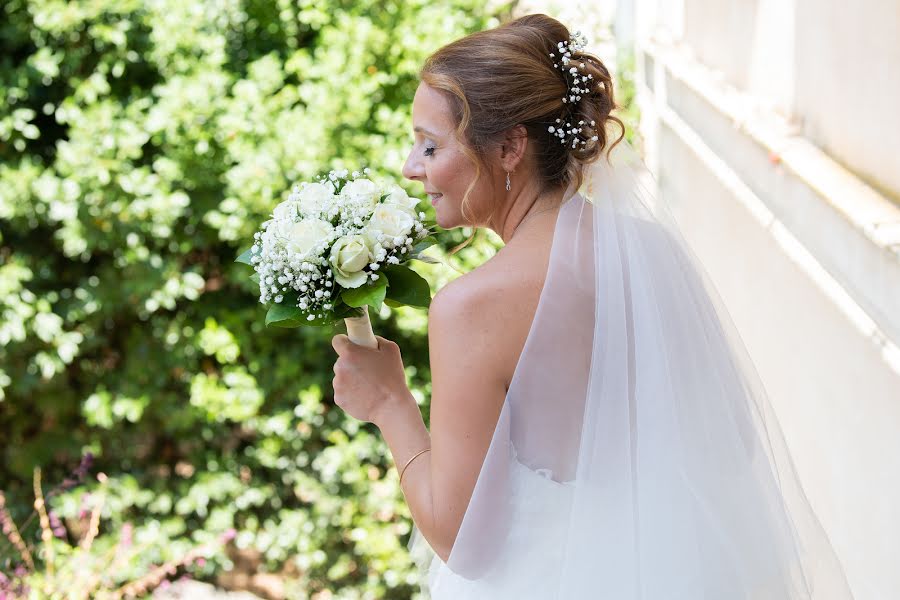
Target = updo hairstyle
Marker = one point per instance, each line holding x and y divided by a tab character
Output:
503	77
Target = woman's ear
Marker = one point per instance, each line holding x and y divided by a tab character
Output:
512	148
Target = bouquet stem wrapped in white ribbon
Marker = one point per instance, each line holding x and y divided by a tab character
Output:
359	330
336	247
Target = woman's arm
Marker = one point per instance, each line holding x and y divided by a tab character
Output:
468	389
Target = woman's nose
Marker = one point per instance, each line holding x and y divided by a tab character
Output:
412	170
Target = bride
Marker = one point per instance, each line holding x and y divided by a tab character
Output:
597	430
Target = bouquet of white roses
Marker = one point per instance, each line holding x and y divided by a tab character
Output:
337	246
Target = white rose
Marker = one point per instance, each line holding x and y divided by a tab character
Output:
363	191
349	255
277	232
285	211
314	198
389	220
399	199
305	235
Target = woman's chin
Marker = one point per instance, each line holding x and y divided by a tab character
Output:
445	222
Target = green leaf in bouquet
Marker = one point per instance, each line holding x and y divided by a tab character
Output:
244	257
371	294
254	278
425	242
407	287
393	303
326	321
285	315
425	259
295	317
343	311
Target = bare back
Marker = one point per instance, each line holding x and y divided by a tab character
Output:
513	280
477	328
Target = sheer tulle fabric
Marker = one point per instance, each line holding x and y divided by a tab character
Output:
636	456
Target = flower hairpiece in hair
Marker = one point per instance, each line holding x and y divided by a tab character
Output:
569	133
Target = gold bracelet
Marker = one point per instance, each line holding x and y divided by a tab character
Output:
409	461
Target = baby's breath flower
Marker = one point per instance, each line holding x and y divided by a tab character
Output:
293	251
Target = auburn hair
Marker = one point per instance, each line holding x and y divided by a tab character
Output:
503	77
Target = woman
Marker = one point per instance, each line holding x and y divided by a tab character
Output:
596	431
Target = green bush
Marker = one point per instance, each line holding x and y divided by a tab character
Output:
141	145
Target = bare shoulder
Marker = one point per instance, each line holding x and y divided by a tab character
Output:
489	310
467	296
462	316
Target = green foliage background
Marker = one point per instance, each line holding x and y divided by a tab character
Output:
141	144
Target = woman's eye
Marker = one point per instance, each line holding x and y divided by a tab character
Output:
429	151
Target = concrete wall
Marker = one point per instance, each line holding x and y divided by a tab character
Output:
830	66
848	85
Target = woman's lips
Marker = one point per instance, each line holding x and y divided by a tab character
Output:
435	198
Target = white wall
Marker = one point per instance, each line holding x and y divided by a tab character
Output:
829	65
848	85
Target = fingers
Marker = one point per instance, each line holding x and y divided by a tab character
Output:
384	343
339	342
342	343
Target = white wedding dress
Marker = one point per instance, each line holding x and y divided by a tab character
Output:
535	540
636	456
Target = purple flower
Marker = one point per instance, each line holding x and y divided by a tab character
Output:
56	525
11	589
87	461
84	510
75	477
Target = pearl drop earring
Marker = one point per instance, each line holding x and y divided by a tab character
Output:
507	181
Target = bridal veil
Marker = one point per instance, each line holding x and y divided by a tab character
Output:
636	456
